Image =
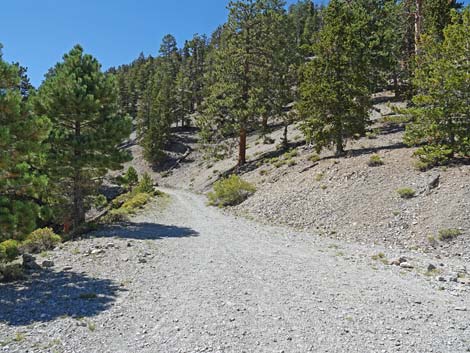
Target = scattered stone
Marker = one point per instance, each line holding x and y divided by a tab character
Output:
67	268
406	265
142	260
97	252
47	264
463	280
399	261
461	308
29	262
433	181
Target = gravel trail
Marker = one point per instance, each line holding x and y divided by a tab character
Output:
189	278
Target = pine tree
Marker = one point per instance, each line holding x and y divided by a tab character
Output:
335	95
234	100
81	102
437	15
278	74
21	155
441	112
160	112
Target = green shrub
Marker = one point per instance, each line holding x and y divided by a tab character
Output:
449	234
230	191
9	250
314	158
127	205
136	202
319	176
291	163
421	166
434	155
406	193
145	185
40	240
375	160
131	176
100	201
291	154
11	273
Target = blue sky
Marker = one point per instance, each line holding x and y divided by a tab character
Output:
38	32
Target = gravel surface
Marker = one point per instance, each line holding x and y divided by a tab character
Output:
188	278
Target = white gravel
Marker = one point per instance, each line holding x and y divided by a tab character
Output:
187	278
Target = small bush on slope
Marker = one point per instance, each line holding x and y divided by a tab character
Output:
375	161
40	240
8	250
230	191
449	234
406	193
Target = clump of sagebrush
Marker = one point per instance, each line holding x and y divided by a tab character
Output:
375	161
40	240
406	193
314	158
127	204
230	191
449	234
9	250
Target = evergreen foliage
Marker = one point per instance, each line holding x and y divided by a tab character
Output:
22	155
335	87
81	102
441	114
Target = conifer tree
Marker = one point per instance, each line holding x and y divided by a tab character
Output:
81	102
278	73
437	15
335	95
441	111
21	156
234	100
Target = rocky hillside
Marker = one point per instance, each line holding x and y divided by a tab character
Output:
345	198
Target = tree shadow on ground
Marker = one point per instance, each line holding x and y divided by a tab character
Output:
145	231
51	295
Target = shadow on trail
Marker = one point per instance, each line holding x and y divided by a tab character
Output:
52	295
146	231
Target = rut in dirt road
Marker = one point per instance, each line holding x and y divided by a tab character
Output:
196	280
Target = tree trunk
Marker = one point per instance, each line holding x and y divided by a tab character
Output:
264	123
395	84
284	137
78	211
339	146
418	24
242	147
78	215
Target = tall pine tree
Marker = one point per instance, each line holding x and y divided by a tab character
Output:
441	111
335	88
81	102
22	153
